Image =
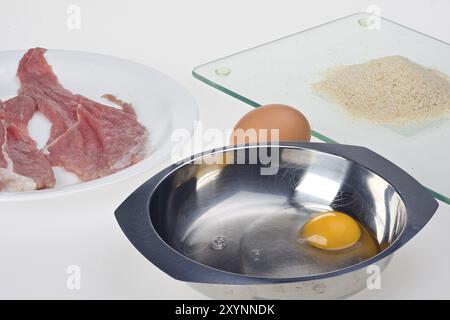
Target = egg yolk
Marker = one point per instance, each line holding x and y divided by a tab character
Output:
331	231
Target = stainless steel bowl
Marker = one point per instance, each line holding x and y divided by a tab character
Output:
229	230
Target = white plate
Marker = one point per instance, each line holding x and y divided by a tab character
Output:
161	104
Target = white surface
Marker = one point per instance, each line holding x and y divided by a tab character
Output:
161	105
39	240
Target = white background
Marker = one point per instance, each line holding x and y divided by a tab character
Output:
39	240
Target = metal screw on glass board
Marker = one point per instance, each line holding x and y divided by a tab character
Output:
223	71
370	22
365	22
218	243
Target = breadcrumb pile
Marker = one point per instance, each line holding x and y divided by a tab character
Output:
392	90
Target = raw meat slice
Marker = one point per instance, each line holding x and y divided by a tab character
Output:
9	180
57	105
126	107
87	138
104	140
22	166
40	83
18	110
26	159
3	162
33	67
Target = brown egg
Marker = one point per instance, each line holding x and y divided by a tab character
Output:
291	124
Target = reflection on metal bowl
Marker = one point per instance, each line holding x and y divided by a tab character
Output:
230	229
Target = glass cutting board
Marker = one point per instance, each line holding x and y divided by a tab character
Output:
282	71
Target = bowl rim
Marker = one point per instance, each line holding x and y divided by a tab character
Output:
419	204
